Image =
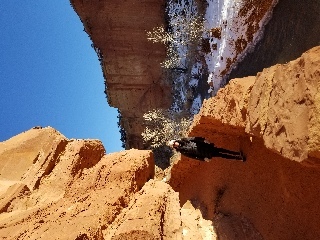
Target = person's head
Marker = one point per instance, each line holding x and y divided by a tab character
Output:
173	143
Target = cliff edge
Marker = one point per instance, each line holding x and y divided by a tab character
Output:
130	63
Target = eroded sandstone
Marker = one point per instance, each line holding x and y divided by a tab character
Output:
152	214
130	63
272	119
78	196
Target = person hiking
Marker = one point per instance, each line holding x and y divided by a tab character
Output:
198	148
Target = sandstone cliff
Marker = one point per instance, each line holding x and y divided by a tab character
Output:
130	63
274	119
52	187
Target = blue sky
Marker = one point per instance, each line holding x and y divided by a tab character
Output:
50	74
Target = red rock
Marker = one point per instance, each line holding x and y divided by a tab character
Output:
80	196
31	155
284	109
272	195
152	214
131	64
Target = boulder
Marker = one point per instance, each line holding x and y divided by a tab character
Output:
152	214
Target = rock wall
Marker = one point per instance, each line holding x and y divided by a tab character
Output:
133	77
130	63
273	118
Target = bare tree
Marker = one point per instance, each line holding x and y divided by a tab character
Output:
162	126
185	28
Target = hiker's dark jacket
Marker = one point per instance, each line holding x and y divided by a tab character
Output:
198	148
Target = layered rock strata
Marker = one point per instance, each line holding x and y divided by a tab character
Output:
130	63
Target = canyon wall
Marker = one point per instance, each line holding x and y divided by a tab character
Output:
52	187
133	77
130	63
274	119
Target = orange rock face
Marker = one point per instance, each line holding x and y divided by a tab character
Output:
85	194
273	119
55	188
130	63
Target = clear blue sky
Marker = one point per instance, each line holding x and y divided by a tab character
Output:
50	75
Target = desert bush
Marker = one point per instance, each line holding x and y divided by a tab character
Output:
162	126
